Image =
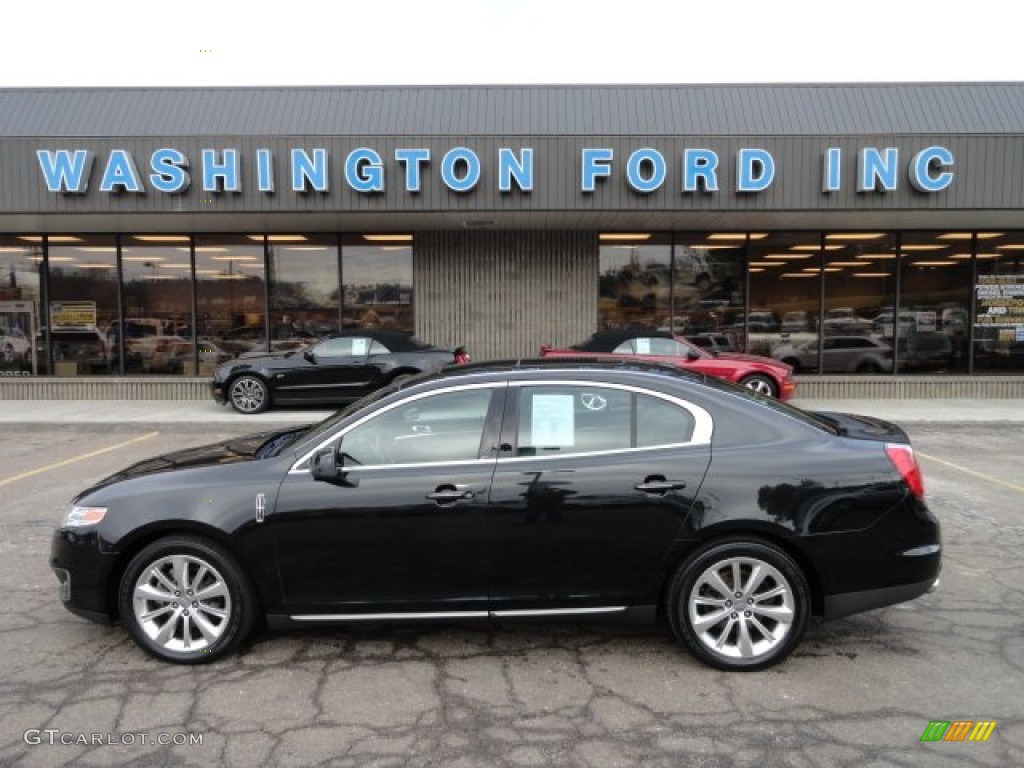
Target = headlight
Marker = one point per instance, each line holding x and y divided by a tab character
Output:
82	517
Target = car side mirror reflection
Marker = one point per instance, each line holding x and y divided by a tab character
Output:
310	355
326	465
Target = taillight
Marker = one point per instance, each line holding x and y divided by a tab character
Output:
902	457
461	356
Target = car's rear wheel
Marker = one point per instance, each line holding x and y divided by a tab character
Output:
868	367
185	599
249	394
739	605
761	384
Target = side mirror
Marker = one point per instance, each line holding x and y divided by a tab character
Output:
691	356
325	466
309	355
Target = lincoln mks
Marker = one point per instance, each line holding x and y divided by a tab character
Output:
558	488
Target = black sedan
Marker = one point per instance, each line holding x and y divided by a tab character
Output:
552	488
340	369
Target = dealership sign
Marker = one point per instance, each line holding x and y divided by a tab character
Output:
364	170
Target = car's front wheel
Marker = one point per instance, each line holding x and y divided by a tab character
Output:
761	384
185	599
739	605
249	394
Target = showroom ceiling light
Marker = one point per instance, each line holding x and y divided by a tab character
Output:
967	235
53	238
855	236
738	236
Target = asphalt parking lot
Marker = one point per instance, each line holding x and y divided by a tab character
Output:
859	691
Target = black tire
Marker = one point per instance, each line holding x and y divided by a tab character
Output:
868	367
249	394
765	631
760	383
194	633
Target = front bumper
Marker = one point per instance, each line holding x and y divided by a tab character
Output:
218	393
83	572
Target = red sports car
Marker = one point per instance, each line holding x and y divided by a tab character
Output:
761	374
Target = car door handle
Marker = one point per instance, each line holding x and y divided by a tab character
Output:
449	494
651	485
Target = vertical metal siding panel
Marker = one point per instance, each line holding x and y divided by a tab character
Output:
519	289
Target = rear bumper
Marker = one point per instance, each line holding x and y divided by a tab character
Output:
849	603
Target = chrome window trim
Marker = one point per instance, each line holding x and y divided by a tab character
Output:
298	469
608	452
703	426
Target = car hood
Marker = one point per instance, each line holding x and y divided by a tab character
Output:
251	357
236	449
745	358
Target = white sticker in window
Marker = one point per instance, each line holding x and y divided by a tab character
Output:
553	421
643	346
360	346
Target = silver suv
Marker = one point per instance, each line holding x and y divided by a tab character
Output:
841	354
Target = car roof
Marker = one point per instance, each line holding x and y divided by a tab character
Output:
606	341
572	366
393	339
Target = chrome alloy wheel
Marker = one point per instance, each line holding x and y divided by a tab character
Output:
248	394
760	385
182	603
741	608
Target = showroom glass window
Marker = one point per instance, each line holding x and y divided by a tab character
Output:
83	304
860	288
231	292
304	295
157	325
634	281
785	296
935	295
707	285
377	286
21	280
999	308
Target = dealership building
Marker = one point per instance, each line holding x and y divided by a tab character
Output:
870	231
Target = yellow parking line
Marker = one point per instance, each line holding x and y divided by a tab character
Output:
31	472
983	476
